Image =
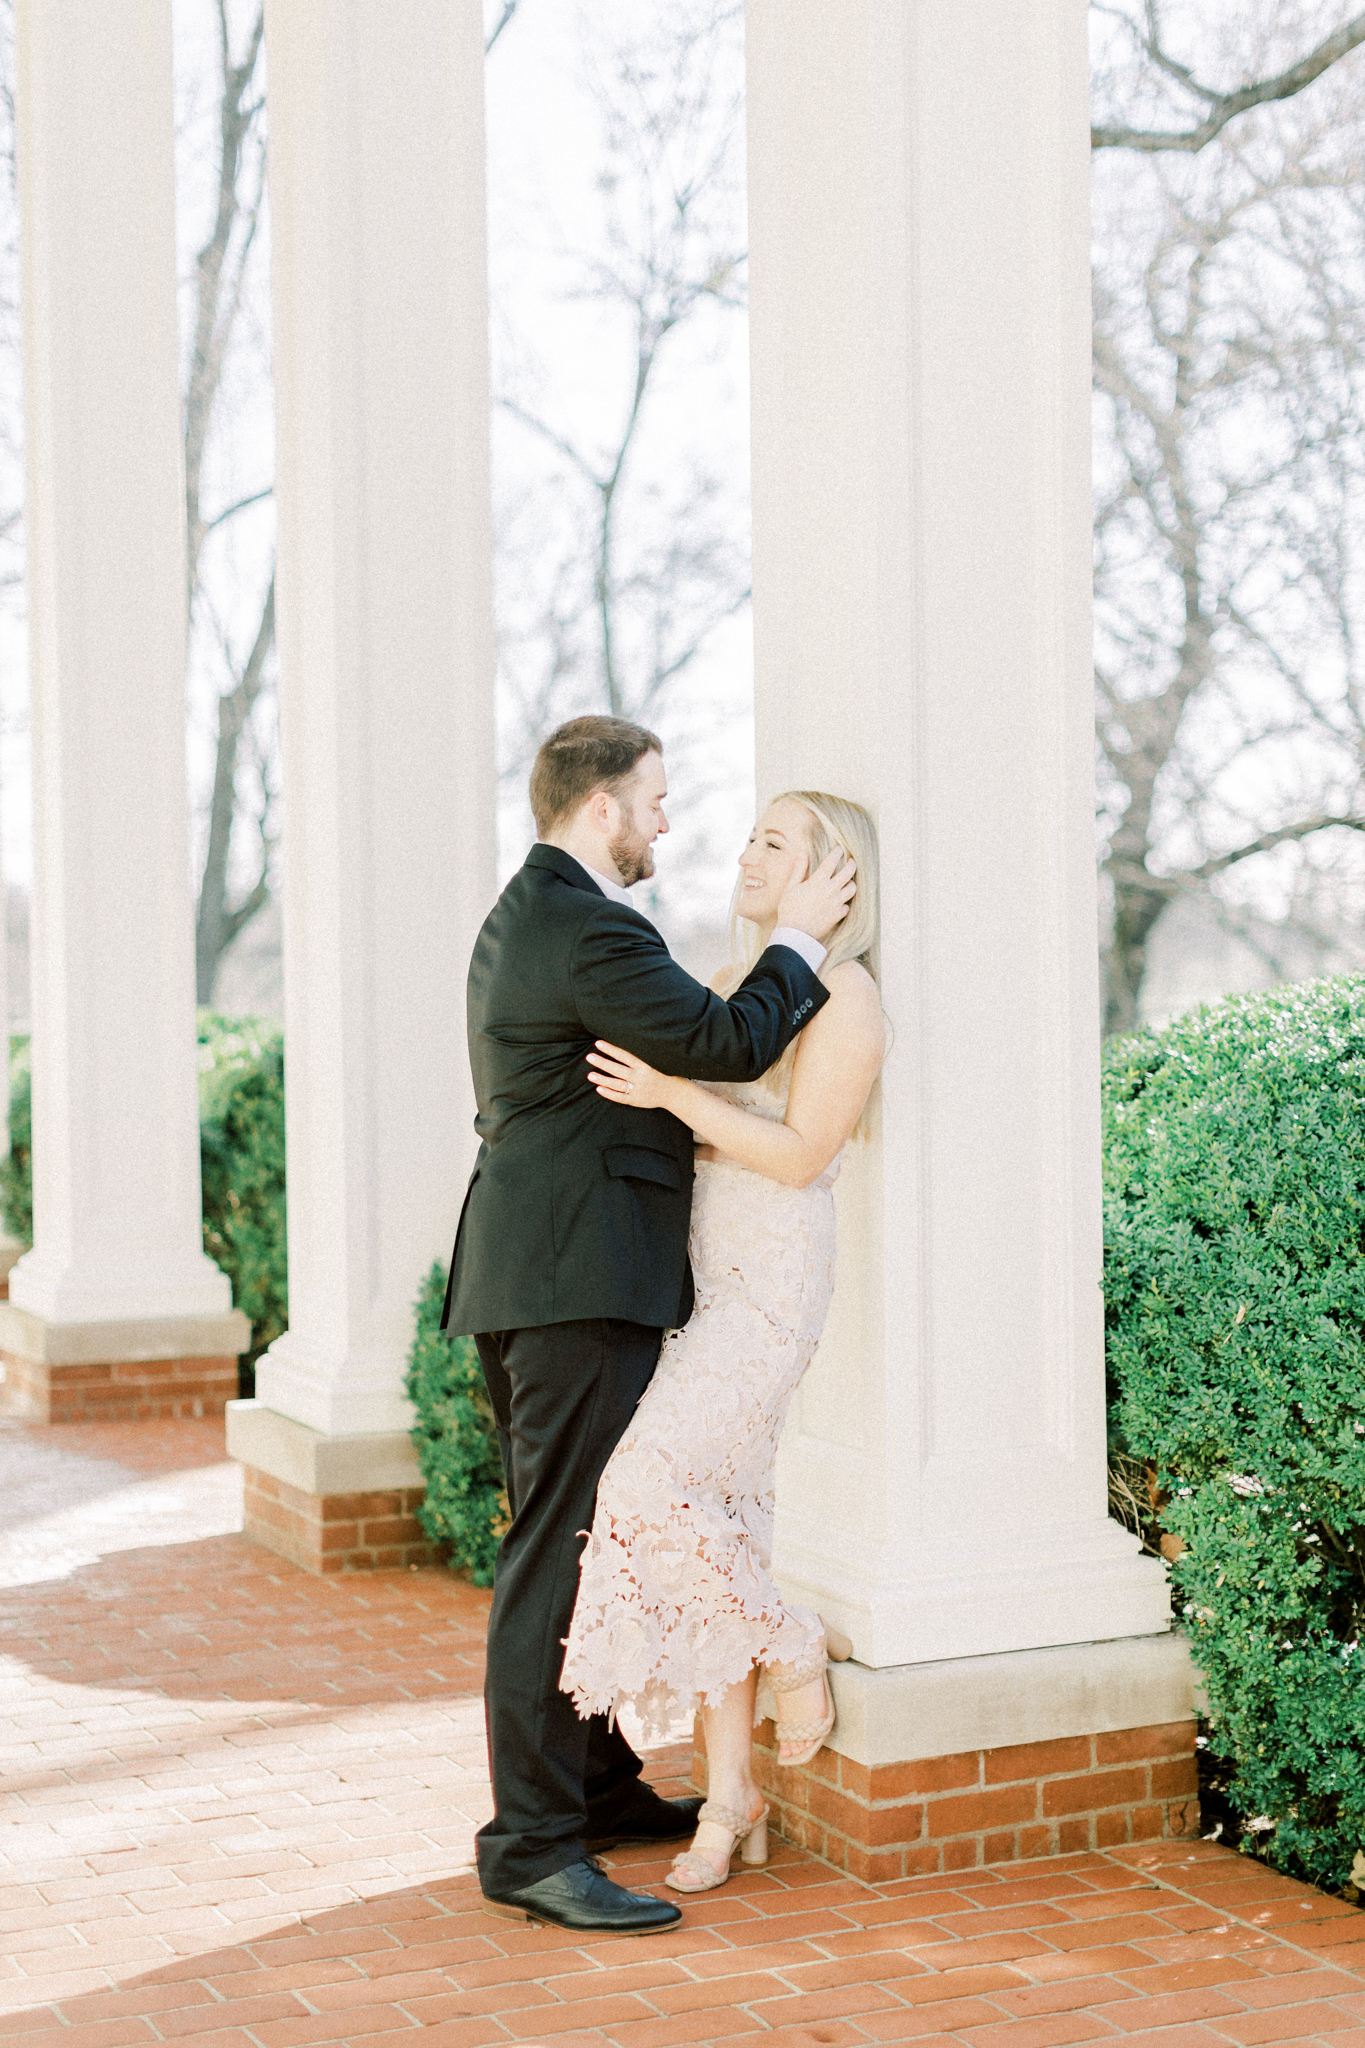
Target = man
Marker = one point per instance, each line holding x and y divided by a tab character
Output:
571	1262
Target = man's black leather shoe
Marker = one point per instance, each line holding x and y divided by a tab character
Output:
583	1898
644	1817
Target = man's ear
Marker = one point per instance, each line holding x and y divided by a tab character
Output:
598	811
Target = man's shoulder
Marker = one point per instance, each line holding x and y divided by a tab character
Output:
541	907
538	889
556	877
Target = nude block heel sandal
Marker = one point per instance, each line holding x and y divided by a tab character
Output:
719	1827
813	1735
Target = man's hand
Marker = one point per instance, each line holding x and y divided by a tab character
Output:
818	904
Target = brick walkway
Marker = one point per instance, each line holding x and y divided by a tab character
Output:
240	1801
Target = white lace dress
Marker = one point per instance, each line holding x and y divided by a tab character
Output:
676	1599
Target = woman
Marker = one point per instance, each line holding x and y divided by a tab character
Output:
677	1606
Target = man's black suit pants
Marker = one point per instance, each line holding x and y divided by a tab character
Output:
562	1396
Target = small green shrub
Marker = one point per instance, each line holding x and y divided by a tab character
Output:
16	1171
457	1446
241	1155
1235	1305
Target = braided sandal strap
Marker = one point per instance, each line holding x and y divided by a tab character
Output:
797	1675
792	1734
727	1825
736	1824
801	1731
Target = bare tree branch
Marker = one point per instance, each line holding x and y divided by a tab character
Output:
547	433
629	609
231	511
1226	106
217	925
1229	360
219	270
1174	885
220	278
509	8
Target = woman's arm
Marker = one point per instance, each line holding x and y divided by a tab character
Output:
837	1059
627	989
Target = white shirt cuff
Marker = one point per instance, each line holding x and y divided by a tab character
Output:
811	951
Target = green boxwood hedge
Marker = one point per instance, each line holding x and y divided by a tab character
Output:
241	1149
241	1156
465	1509
1235	1304
16	1172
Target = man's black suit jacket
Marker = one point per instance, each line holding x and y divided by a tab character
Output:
578	1207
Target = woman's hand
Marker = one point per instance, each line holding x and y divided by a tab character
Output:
620	1077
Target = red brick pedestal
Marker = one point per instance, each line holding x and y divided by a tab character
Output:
947	1766
336	1532
142	1370
329	1503
127	1390
981	1806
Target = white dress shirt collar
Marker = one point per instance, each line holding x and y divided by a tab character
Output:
612	889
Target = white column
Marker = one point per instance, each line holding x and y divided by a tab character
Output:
919	215
115	1120
386	663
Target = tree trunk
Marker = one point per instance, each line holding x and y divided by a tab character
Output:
1136	911
215	925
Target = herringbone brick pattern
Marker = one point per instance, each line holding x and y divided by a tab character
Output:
239	1806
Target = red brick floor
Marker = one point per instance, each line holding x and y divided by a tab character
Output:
239	1802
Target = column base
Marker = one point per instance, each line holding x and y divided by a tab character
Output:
11	1251
329	1503
944	1767
963	1597
145	1369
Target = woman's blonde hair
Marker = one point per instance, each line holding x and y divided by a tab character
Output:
832	821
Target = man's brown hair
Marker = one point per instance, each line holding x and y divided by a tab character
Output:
582	757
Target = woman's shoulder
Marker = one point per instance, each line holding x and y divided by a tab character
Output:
852	987
855	1003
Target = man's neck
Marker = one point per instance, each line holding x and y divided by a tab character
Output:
593	857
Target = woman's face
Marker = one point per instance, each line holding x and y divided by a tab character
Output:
778	852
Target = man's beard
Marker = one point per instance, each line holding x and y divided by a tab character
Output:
632	858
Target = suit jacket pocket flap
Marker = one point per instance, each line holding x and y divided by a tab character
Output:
637	1162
